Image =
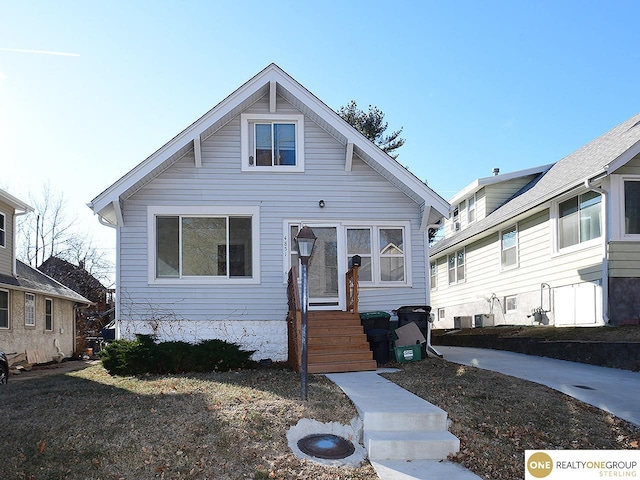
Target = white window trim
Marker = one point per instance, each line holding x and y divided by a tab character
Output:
475	209
433	277
246	118
342	240
455	254
504	268
554	215
3	229
441	314
617	204
8	292
25	309
47	299
203	211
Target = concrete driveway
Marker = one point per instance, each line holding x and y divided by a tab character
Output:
613	390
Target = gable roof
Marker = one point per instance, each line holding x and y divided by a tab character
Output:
107	204
74	277
31	280
594	160
19	206
478	184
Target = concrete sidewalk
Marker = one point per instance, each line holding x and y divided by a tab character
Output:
610	389
406	437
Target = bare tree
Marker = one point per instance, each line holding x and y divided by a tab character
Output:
51	232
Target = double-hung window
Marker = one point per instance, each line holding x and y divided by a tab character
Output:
509	247
382	252
29	309
48	314
272	142
433	267
4	309
471	209
456	266
3	230
199	245
579	219
632	207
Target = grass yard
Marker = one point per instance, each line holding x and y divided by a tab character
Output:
89	425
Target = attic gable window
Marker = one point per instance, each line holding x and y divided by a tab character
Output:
272	143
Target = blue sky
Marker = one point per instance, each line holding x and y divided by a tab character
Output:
475	85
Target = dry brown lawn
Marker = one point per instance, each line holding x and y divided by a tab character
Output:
89	425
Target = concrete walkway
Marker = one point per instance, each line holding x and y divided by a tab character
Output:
406	437
610	389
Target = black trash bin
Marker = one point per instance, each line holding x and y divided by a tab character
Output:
379	344
419	314
375	320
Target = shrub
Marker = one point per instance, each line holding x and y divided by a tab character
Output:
144	355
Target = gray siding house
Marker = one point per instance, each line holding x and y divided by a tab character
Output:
206	225
556	245
37	314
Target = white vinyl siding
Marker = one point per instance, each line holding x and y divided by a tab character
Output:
358	198
484	276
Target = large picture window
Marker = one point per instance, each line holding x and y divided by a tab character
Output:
203	246
4	309
272	142
579	219
632	207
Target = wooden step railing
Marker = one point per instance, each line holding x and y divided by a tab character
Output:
336	340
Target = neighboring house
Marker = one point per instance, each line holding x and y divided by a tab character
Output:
556	245
206	225
36	312
89	321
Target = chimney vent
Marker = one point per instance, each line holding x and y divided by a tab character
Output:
496	171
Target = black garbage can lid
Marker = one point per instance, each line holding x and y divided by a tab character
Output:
414	309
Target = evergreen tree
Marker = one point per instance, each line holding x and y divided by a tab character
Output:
372	125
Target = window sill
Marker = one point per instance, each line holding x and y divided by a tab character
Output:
203	281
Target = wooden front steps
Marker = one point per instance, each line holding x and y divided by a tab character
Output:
337	343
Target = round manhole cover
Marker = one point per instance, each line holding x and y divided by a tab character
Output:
326	445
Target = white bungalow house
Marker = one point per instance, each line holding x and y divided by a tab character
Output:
557	245
206	225
37	313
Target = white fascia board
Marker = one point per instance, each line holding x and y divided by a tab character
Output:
353	136
622	160
476	185
18	205
167	150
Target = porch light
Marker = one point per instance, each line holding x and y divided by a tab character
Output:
305	240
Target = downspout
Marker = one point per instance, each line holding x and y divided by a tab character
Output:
605	249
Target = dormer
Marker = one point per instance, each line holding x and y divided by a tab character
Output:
485	195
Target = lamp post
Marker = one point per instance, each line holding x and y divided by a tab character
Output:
305	240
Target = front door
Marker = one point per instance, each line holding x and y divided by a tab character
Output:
324	280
